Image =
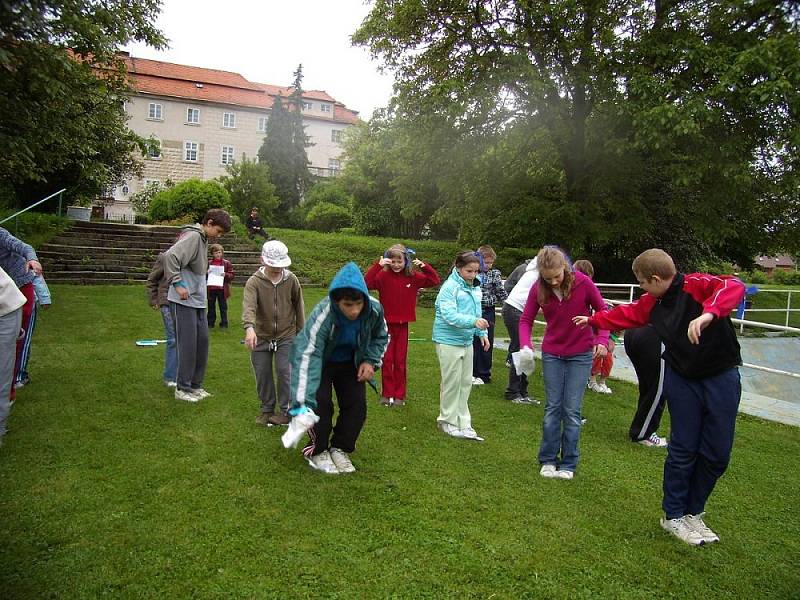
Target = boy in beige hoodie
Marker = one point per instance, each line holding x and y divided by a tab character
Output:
272	314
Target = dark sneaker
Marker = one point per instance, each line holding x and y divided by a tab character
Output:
278	420
263	418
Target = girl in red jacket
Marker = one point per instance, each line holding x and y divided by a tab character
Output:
397	283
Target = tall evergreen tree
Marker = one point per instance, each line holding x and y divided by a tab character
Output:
284	150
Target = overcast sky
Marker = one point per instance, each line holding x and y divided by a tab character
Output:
265	41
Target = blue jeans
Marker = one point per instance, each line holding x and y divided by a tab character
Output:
171	354
564	384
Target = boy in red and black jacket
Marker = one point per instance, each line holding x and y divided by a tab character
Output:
690	313
222	292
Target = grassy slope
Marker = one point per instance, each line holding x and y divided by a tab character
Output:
111	488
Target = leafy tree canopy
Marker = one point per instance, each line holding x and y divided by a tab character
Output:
604	126
62	125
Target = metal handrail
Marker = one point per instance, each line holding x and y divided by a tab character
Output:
19	212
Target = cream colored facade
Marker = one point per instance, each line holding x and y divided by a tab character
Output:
212	140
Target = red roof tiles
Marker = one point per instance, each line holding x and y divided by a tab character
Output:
211	85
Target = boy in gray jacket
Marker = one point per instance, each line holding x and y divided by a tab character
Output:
186	264
272	314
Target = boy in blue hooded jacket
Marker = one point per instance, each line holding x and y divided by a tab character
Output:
339	348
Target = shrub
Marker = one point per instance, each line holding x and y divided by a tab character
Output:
190	198
327	217
141	200
248	184
786	277
757	277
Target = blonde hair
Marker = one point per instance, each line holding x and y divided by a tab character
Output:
214	247
585	267
552	258
653	262
399	251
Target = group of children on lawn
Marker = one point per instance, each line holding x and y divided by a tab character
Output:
681	342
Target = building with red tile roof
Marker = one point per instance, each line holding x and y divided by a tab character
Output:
203	119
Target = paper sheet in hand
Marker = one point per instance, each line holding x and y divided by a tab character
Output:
216	275
524	362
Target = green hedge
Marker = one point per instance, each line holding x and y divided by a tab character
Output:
34	228
318	256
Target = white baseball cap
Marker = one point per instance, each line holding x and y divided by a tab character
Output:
275	254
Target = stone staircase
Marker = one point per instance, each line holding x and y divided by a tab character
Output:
115	253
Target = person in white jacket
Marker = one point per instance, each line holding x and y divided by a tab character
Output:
11	303
517	390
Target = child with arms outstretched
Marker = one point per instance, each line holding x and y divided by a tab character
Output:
691	315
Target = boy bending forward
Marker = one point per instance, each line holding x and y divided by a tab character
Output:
701	379
339	348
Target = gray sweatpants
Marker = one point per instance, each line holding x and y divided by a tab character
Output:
262	360
191	340
9	332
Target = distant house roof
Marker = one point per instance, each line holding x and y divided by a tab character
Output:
212	85
781	261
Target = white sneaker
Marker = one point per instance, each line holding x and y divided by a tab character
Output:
654	441
548	471
560	474
450	430
342	461
705	532
201	393
169	383
681	529
595	387
477	381
469	433
185	396
604	388
322	462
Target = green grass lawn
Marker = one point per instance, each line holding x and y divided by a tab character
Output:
110	488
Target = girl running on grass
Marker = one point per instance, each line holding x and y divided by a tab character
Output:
567	357
458	319
397	282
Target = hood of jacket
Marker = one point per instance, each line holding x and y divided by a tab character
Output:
349	276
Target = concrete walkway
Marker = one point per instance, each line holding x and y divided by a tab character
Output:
764	395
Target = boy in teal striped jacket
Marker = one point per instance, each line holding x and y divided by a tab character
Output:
339	348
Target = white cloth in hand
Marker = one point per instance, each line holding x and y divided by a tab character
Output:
298	427
524	361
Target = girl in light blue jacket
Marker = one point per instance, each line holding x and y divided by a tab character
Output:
458	320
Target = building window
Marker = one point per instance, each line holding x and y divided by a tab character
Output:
262	124
334	164
326	108
227	155
190	151
155	112
153	148
193	116
307	105
229	120
148	182
336	136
